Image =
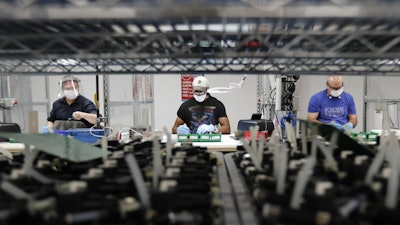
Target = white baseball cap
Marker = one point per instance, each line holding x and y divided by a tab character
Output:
201	83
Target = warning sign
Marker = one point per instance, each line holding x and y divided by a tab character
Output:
186	86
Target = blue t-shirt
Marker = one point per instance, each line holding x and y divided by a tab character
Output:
332	108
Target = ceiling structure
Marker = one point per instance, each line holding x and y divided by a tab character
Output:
200	36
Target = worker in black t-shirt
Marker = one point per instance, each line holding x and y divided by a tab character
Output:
202	113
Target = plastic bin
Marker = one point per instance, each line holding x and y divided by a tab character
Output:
86	135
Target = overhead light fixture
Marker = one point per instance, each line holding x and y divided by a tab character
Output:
133	28
67	62
118	29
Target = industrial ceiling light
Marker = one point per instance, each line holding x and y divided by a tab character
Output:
67	62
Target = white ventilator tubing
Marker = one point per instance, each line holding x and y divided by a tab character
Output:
231	86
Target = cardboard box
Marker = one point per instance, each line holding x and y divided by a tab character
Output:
33	122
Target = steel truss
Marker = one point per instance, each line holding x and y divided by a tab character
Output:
272	66
289	39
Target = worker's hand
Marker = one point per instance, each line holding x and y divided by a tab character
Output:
204	128
77	115
348	126
45	130
338	126
183	129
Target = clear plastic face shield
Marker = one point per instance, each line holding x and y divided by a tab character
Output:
69	87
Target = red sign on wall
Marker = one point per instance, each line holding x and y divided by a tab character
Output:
186	86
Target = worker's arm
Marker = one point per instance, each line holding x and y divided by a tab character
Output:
90	117
177	123
224	125
352	119
312	117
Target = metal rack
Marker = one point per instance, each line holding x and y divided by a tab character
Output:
275	36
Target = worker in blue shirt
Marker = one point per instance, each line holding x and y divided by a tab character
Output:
71	106
333	106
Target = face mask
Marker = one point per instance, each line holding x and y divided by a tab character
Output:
71	94
200	98
337	93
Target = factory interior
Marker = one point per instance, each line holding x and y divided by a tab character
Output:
136	61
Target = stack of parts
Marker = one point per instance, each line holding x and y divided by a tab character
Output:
327	178
131	183
321	182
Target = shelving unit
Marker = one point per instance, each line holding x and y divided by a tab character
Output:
278	37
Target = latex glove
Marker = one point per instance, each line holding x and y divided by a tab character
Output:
183	129
348	126
45	130
338	126
205	128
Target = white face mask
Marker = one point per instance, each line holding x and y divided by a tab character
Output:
337	93
200	98
71	94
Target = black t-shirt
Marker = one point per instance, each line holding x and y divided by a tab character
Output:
62	111
195	113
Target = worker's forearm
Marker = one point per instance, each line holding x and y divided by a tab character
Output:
353	121
91	118
315	121
224	129
174	130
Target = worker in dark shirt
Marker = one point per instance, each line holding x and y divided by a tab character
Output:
71	107
202	113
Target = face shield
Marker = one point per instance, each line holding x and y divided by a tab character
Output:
69	87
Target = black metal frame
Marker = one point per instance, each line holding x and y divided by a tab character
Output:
292	36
